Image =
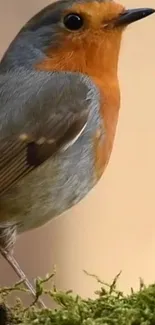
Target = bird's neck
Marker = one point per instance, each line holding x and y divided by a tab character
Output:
97	59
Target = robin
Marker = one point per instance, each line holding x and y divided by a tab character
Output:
59	107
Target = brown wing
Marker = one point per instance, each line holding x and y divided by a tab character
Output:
21	155
39	114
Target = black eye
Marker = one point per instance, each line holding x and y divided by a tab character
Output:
73	21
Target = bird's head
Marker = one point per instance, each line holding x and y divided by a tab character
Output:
82	35
74	35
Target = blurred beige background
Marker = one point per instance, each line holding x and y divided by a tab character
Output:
112	229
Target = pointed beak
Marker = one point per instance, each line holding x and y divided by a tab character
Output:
132	15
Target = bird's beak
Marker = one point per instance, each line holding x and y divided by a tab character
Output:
132	15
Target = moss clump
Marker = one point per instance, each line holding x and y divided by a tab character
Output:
111	307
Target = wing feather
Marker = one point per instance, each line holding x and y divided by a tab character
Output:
40	113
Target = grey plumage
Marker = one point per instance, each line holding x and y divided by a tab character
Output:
37	193
44	105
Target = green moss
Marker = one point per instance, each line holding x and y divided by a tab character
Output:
110	307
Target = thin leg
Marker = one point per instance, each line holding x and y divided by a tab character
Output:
16	267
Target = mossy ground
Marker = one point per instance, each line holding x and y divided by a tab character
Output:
110	307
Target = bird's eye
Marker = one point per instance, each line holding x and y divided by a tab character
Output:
73	21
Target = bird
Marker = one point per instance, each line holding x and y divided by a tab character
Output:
59	108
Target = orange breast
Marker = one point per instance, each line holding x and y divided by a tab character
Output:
109	110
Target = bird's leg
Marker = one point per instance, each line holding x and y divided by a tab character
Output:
16	267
